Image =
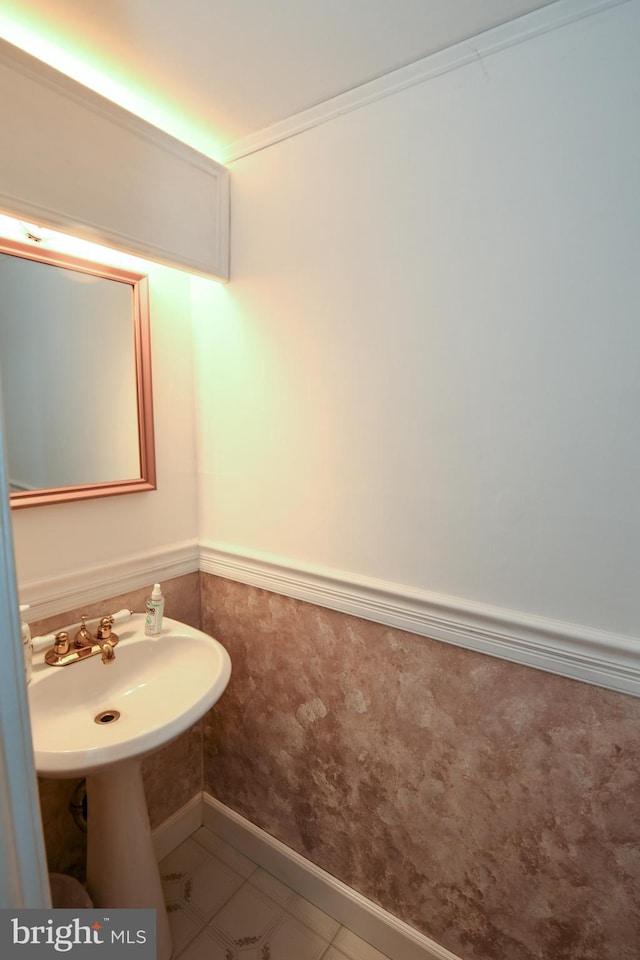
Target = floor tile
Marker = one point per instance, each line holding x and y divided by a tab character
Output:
210	841
207	947
273	888
225	852
210	886
222	906
247	916
354	947
184	925
291	940
314	918
182	859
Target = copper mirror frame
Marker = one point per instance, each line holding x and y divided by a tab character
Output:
146	480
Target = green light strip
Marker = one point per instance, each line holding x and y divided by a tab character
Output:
54	51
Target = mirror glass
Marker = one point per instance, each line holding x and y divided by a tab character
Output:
75	369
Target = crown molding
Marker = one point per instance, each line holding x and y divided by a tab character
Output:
534	24
571	650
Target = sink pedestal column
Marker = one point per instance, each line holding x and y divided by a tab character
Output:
122	870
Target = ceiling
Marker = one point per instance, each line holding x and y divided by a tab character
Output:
225	69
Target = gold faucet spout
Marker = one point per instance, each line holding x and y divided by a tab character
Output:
108	653
83	637
104	638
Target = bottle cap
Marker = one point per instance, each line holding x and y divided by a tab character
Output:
156	593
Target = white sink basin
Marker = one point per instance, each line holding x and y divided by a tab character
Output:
159	685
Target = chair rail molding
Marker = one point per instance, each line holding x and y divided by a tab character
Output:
58	594
571	650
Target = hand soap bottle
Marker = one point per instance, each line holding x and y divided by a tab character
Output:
27	646
155	611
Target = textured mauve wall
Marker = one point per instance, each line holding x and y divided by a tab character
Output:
172	776
492	806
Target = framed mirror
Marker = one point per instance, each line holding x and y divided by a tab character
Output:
75	371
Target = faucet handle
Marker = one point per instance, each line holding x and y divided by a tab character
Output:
104	630
58	653
123	614
44	640
61	645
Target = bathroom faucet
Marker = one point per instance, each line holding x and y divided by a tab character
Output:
105	639
85	643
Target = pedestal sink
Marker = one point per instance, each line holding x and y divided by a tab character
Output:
99	720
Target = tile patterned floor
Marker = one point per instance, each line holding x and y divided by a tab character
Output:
222	906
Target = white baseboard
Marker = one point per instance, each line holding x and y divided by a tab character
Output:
178	827
381	929
391	936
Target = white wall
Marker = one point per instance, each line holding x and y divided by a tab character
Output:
425	367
